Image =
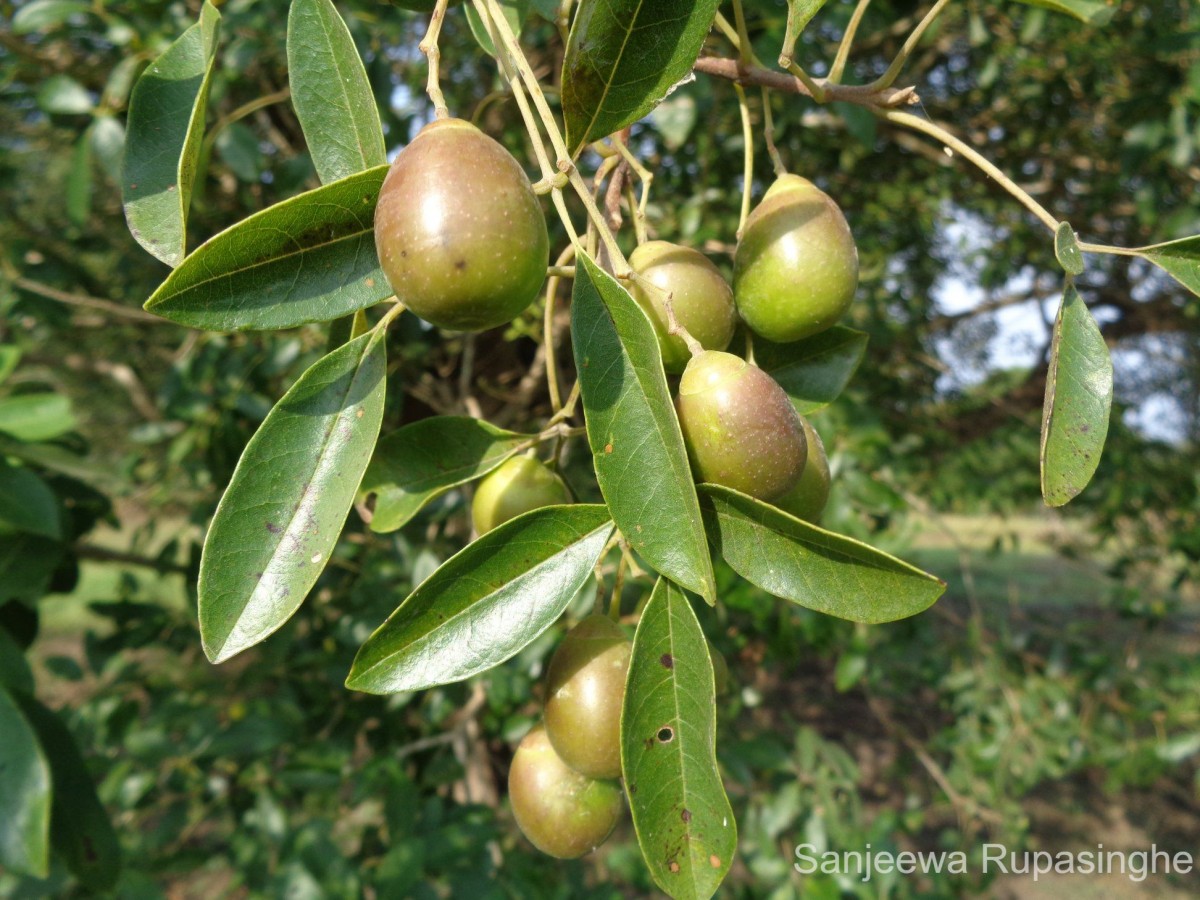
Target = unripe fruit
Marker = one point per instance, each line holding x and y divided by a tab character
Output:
808	498
563	813
459	231
585	687
700	296
796	267
740	429
517	486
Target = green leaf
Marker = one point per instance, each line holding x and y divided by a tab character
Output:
1093	12
1079	391
1180	259
165	128
813	371
800	13
24	794
623	57
793	560
486	603
27	562
80	829
515	13
308	259
237	147
638	450
43	15
27	503
63	95
289	497
331	93
108	145
9	357
79	180
422	461
683	820
15	673
36	417
1066	249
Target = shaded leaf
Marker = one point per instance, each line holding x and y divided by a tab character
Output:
1079	390
1179	259
289	497
1093	12
813	371
27	562
684	823
486	603
308	259
108	145
638	450
794	560
36	417
515	12
63	95
1066	249
79	180
27	503
422	461
9	357
24	793
165	127
15	673
623	57
43	15
800	13
79	827
331	93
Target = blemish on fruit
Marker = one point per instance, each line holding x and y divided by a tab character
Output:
667	660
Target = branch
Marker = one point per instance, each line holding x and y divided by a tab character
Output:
83	301
860	95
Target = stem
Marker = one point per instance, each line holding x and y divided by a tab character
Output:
647	178
745	47
769	135
614	606
429	46
639	220
939	133
241	112
843	50
893	71
673	326
548	328
1109	249
747	157
858	94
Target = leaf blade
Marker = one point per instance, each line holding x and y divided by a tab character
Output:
1090	12
636	443
331	92
1066	249
1079	391
508	586
36	417
421	461
820	570
623	57
684	823
1180	259
163	135
24	794
249	277
276	524
813	371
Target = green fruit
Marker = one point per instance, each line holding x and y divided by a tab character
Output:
517	486
700	296
563	813
585	687
459	231
808	498
740	428
796	267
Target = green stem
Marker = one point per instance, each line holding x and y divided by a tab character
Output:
888	78
747	157
843	51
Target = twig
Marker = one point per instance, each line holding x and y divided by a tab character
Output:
843	50
893	71
429	46
860	95
83	301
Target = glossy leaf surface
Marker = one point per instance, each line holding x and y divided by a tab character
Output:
164	131
421	461
24	794
289	497
307	259
684	823
1079	391
830	573
638	450
486	603
813	371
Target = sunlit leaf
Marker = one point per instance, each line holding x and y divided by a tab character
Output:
515	12
1066	249
1079	391
684	823
43	15
486	603
1179	259
636	443
63	95
289	497
1093	12
36	417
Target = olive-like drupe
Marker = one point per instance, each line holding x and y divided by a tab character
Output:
563	813
517	486
740	428
459	231
796	266
808	498
700	296
585	687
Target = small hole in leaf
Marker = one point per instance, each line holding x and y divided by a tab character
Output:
666	734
